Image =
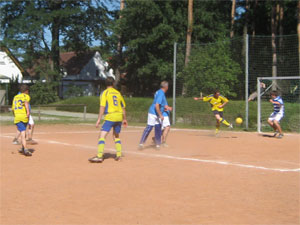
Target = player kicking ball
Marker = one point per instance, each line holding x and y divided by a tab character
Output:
218	102
277	115
20	108
112	106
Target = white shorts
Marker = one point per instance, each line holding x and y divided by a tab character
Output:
166	122
153	119
276	116
30	122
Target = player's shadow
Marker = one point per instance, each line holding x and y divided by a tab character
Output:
109	156
268	135
31	150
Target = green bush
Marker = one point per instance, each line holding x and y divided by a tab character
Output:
211	67
43	93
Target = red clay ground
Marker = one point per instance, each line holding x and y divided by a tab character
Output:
238	178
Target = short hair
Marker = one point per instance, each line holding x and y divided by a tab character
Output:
275	93
23	88
164	84
109	81
216	91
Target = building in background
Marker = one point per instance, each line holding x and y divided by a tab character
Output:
83	74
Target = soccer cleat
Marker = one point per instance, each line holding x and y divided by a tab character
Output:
165	145
25	152
275	133
141	146
16	142
231	126
157	147
280	136
118	158
96	159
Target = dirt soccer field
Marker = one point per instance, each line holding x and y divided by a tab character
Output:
237	178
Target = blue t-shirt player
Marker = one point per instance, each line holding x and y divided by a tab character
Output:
155	115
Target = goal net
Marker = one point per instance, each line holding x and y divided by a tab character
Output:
288	89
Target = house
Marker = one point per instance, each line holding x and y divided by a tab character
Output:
85	72
10	68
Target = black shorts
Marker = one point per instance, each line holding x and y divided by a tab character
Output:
215	112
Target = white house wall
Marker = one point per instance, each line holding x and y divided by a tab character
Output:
8	68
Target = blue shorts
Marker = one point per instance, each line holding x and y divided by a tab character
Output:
215	112
21	126
109	124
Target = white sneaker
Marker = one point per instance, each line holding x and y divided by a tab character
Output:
231	126
141	146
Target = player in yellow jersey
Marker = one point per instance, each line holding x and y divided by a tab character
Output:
112	106
20	108
218	103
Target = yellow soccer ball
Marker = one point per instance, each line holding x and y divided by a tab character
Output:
239	120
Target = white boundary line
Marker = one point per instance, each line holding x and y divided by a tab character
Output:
218	162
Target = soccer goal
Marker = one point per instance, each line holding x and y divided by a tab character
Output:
289	90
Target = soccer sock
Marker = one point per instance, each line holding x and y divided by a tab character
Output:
158	134
146	134
101	144
224	122
118	147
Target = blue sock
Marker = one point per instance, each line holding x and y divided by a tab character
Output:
158	134
146	133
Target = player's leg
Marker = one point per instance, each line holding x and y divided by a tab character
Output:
117	140
166	126
222	120
272	124
158	134
30	129
22	128
106	127
218	123
276	121
16	139
150	124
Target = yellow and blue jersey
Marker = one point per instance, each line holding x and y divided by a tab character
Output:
215	102
114	104
18	107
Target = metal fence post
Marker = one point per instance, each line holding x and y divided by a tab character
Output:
174	85
84	112
247	81
258	106
39	112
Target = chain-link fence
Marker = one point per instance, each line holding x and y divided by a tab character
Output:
231	66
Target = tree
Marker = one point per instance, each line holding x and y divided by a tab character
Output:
298	31
189	32
148	41
119	47
211	68
274	52
232	18
75	23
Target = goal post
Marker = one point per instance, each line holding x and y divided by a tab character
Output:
289	90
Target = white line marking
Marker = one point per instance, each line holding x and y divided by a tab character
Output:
175	157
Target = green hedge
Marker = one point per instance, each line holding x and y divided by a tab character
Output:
192	113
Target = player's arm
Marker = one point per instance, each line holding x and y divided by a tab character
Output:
27	109
275	102
125	123
101	108
157	108
101	112
225	101
168	108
